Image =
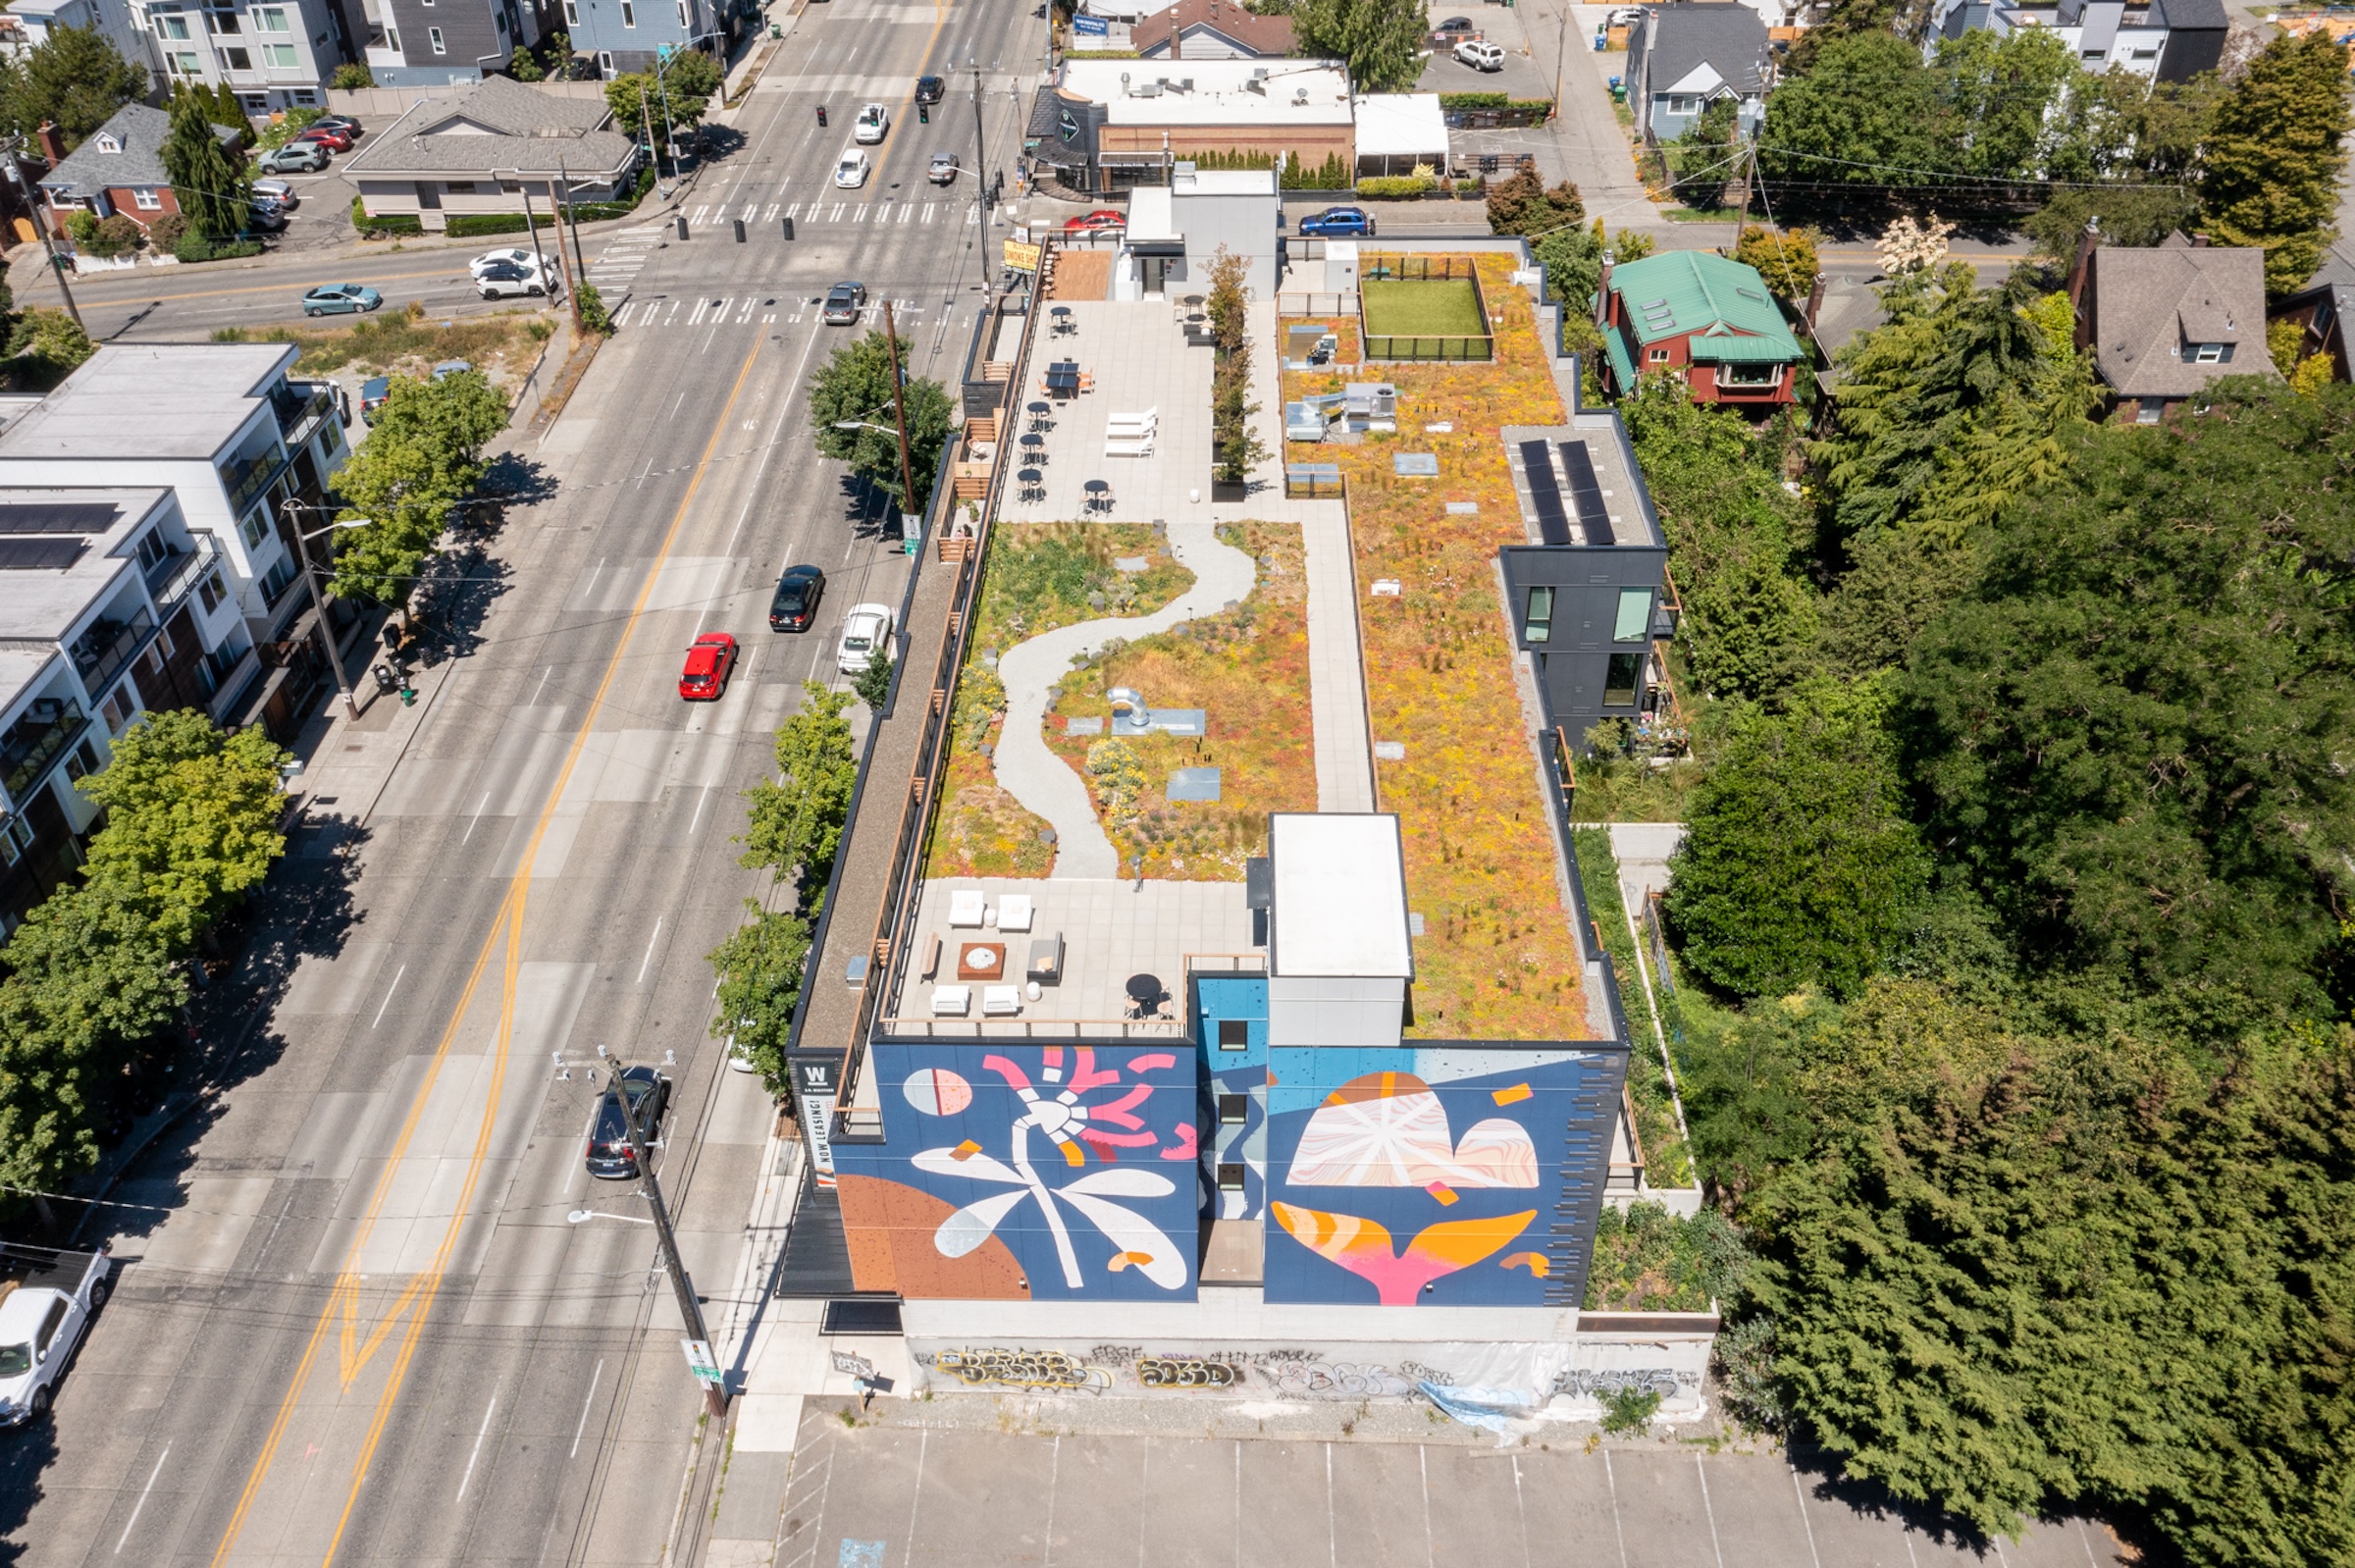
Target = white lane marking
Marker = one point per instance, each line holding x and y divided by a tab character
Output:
142	1502
906	213
650	950
387	1001
840	208
701	306
542	686
468	1478
928	209
698	213
594	573
861	214
478	816
585	1403
697	821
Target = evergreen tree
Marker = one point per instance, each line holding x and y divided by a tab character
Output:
1380	42
75	78
2273	156
209	185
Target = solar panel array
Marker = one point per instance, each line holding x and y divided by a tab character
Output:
1586	494
1553	528
53	553
58	517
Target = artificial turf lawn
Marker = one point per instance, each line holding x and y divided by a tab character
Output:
1439	308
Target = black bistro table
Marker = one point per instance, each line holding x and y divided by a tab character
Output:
1063	379
1099	499
1040	414
1145	993
1034	448
1061	316
1035	484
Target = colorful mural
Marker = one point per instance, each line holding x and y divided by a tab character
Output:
1377	1196
1076	1166
1230	1031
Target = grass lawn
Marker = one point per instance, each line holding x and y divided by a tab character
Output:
1247	669
1437	308
1497	959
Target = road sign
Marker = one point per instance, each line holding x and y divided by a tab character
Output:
1021	257
702	1363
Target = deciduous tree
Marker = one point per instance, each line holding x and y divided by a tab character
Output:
423	457
761	969
1867	113
797	819
1380	41
2270	166
854	386
1522	205
1786	259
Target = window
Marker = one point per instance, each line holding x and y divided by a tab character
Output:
1657	356
2146	54
83	761
118	708
254	526
210	593
2147	412
1233	1110
2215	353
20	833
1635	615
1619	681
153	549
270	18
221	21
572	13
236	59
1538	625
185	64
279	56
1749	378
1231	1176
500	20
1235	1034
629	14
433	35
305	95
458	187
8	853
2095	54
145	199
173	26
683	19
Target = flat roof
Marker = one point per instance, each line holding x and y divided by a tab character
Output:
1401	124
1340	896
1297	91
135	400
1226	183
1149	216
43	603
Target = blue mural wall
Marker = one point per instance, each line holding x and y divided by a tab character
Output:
1228	1071
1445	1176
1009	1169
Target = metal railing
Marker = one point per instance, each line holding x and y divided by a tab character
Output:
38	742
100	655
175	577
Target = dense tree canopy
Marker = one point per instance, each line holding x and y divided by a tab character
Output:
424	457
2134	730
854	386
209	185
2274	149
75	78
1380	40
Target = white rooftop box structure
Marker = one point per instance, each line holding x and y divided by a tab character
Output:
1396	130
1339	954
1176	231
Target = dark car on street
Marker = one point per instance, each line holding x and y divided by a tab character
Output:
1338	221
795	606
929	89
373	393
610	1151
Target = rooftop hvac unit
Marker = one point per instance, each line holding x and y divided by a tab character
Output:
1299	95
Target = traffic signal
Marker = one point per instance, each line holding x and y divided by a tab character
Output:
821	117
923	114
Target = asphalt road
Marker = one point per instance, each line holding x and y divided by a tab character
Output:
361	1326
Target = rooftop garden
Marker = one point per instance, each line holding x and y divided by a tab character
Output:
1247	670
1497	958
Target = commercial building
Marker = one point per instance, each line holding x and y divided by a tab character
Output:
229	432
2166	41
478	149
1175	229
1109	125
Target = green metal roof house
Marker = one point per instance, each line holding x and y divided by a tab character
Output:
1696	314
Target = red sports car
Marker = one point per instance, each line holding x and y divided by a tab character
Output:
709	662
329	137
1090	221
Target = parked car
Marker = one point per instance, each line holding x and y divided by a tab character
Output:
865	629
844	303
794	606
1339	222
48	1301
332	299
512	256
1455	30
610	1151
943	170
276	191
852	171
324	136
709	659
344	122
295	158
447	368
1088	223
373	394
872	125
929	88
1480	55
506	281
266	215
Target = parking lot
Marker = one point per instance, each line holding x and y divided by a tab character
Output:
902	1492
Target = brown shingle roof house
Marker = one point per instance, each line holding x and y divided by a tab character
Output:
2165	322
1210	29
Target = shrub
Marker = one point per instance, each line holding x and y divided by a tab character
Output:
195	247
165	231
284	128
1331	175
485	222
1397	188
1473	100
1629	1411
352	77
118	234
1787	261
594	315
82	228
391	222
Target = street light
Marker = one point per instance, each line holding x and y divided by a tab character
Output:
583	1216
310	576
899	410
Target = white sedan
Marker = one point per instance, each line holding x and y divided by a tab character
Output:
871	125
515	256
852	171
865	629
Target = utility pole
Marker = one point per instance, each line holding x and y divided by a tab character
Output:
310	577
899	417
1561	47
646	116
572	293
982	183
57	265
716	1400
580	267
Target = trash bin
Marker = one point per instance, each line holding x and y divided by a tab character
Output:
776	30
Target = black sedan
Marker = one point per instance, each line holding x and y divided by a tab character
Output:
610	1151
929	89
795	606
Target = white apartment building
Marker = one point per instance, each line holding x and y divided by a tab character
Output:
274	54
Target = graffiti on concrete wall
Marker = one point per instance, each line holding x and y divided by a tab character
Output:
1592	1383
1021	1369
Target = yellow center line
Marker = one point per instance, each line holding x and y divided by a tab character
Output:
258	288
506	932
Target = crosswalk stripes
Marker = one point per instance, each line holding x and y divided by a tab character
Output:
662	311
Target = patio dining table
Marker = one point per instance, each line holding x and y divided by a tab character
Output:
1063	379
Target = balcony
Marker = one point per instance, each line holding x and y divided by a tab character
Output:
177	575
32	746
102	651
300	406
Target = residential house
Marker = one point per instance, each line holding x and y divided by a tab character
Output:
633	36
2322	311
273	54
477	149
1682	58
432	44
1211	29
2165	40
2165	322
1838	310
118	169
111	604
1701	316
1107	124
232	434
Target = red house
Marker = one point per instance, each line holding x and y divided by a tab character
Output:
1701	316
120	169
